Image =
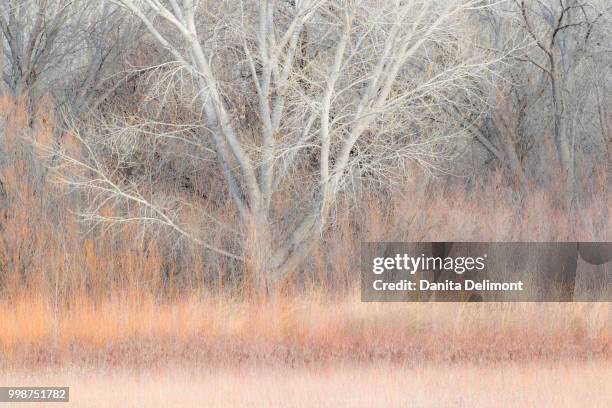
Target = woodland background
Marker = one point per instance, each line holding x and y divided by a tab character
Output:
487	121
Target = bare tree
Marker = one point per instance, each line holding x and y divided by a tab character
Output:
567	37
30	30
62	48
297	100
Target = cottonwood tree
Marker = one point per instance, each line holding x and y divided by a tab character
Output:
297	99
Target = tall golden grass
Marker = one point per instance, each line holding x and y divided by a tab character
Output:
135	329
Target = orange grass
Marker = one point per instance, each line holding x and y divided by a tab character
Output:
135	329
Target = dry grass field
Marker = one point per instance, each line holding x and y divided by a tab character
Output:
310	330
311	352
131	351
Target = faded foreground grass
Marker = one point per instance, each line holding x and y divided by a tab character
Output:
560	384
